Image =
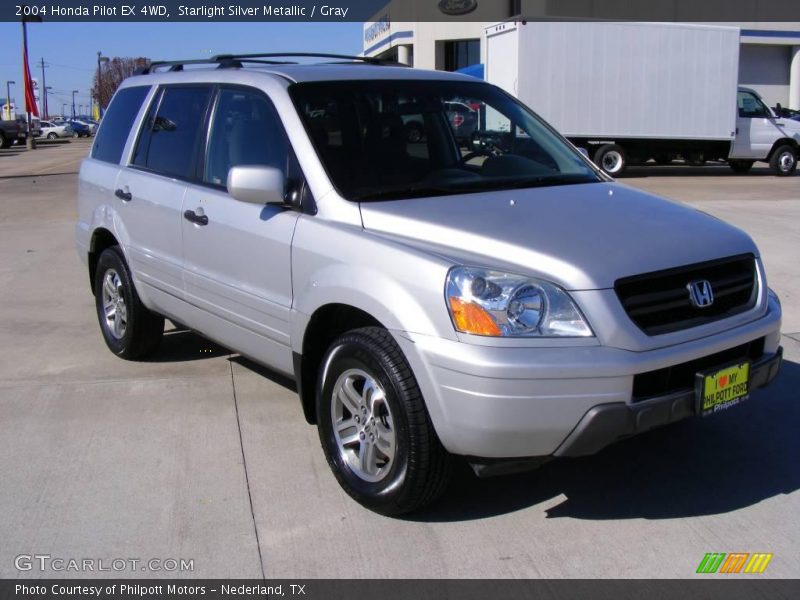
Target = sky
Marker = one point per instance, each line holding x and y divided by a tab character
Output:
71	48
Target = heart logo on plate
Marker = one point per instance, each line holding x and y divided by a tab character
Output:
722	381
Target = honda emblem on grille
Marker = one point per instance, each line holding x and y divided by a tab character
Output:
700	293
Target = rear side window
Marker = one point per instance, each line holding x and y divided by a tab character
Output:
117	122
169	138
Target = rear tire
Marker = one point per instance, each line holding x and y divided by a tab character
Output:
611	158
783	161
741	166
374	427
130	330
695	159
51	136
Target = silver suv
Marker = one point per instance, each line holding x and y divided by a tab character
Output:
505	302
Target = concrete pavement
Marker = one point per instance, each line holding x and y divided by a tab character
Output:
199	454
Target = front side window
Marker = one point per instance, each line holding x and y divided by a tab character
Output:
751	107
402	139
245	130
169	139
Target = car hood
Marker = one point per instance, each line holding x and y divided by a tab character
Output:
581	237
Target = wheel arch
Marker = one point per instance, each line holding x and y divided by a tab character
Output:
786	141
326	324
101	239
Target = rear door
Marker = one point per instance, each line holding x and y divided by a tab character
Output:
152	188
100	171
237	254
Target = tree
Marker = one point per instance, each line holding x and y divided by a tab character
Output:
114	71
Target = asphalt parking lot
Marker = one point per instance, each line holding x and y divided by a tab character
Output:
202	455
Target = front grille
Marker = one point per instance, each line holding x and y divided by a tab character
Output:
681	377
659	302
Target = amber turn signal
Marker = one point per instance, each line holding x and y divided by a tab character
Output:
471	318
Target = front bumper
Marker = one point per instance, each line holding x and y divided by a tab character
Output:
505	402
606	423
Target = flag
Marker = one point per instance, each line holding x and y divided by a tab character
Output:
30	98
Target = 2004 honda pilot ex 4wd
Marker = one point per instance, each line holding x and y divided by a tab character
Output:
496	298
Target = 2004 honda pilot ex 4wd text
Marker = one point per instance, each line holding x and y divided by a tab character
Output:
496	297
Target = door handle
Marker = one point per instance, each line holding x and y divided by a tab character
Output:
193	217
123	195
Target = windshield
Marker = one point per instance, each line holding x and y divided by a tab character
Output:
391	139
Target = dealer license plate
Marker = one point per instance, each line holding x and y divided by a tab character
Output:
721	389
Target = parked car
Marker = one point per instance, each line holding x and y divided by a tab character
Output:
10	132
53	131
91	125
79	129
506	306
36	127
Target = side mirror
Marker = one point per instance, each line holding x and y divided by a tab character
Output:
779	110
257	185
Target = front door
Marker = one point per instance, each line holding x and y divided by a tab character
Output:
237	254
756	129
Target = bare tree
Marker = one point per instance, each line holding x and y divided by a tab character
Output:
114	71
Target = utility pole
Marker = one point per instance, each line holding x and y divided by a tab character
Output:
44	87
73	102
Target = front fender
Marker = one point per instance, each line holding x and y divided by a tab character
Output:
397	284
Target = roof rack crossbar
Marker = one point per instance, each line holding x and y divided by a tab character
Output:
225	61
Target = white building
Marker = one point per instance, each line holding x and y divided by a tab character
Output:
769	59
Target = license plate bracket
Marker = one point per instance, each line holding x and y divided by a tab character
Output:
721	388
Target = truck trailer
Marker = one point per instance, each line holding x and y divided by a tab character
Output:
630	92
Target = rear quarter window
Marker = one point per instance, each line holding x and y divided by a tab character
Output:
117	123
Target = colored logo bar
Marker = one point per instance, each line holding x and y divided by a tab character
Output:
735	562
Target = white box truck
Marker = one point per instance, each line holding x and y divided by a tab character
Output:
630	92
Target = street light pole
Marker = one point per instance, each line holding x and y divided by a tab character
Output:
8	98
73	102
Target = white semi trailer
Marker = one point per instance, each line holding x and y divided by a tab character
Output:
631	92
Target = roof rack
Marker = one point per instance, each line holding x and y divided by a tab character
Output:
232	61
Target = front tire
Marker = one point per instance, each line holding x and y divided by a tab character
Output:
741	166
611	158
51	136
129	329
783	161
374	427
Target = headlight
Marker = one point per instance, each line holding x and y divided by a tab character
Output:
493	303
